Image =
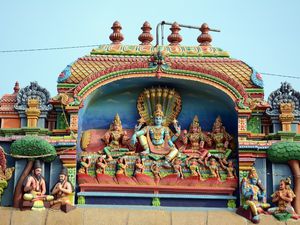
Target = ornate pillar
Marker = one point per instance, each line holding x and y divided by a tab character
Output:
73	112
32	112
286	117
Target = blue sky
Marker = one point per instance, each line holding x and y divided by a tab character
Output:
264	34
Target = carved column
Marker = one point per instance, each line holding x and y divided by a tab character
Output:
32	112
73	112
286	117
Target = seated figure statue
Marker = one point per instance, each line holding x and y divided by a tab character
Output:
157	138
35	188
254	195
115	139
194	141
221	139
283	197
62	191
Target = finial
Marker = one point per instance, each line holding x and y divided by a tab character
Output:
175	38
146	37
16	87
204	38
116	37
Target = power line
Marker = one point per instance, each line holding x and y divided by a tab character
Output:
280	75
47	49
89	46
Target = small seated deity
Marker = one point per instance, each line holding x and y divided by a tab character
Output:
283	197
101	165
62	190
221	138
139	166
115	139
213	167
35	188
177	168
231	172
121	166
85	164
194	168
194	141
157	139
254	195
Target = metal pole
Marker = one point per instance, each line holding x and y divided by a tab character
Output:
162	23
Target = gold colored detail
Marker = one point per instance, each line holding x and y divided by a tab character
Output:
286	117
32	112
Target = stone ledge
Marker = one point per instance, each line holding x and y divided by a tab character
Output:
131	216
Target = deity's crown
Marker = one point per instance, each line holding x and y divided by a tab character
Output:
253	173
217	123
195	122
158	111
117	120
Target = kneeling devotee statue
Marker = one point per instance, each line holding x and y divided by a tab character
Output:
35	188
283	198
157	138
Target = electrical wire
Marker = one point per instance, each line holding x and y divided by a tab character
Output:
47	49
280	75
89	46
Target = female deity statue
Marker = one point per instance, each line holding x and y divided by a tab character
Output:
177	168
213	167
254	195
231	173
139	166
194	168
121	166
115	139
156	172
221	138
85	164
157	139
101	164
194	141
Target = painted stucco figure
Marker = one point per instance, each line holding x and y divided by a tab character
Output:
62	191
229	168
35	188
253	194
283	198
213	167
139	166
85	164
115	139
100	165
194	141
194	168
221	139
157	138
178	168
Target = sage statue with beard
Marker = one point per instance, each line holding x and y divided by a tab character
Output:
35	187
62	190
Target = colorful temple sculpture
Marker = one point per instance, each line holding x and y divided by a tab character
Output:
145	124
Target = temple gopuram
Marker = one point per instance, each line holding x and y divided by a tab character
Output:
153	125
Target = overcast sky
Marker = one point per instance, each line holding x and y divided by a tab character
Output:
264	34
